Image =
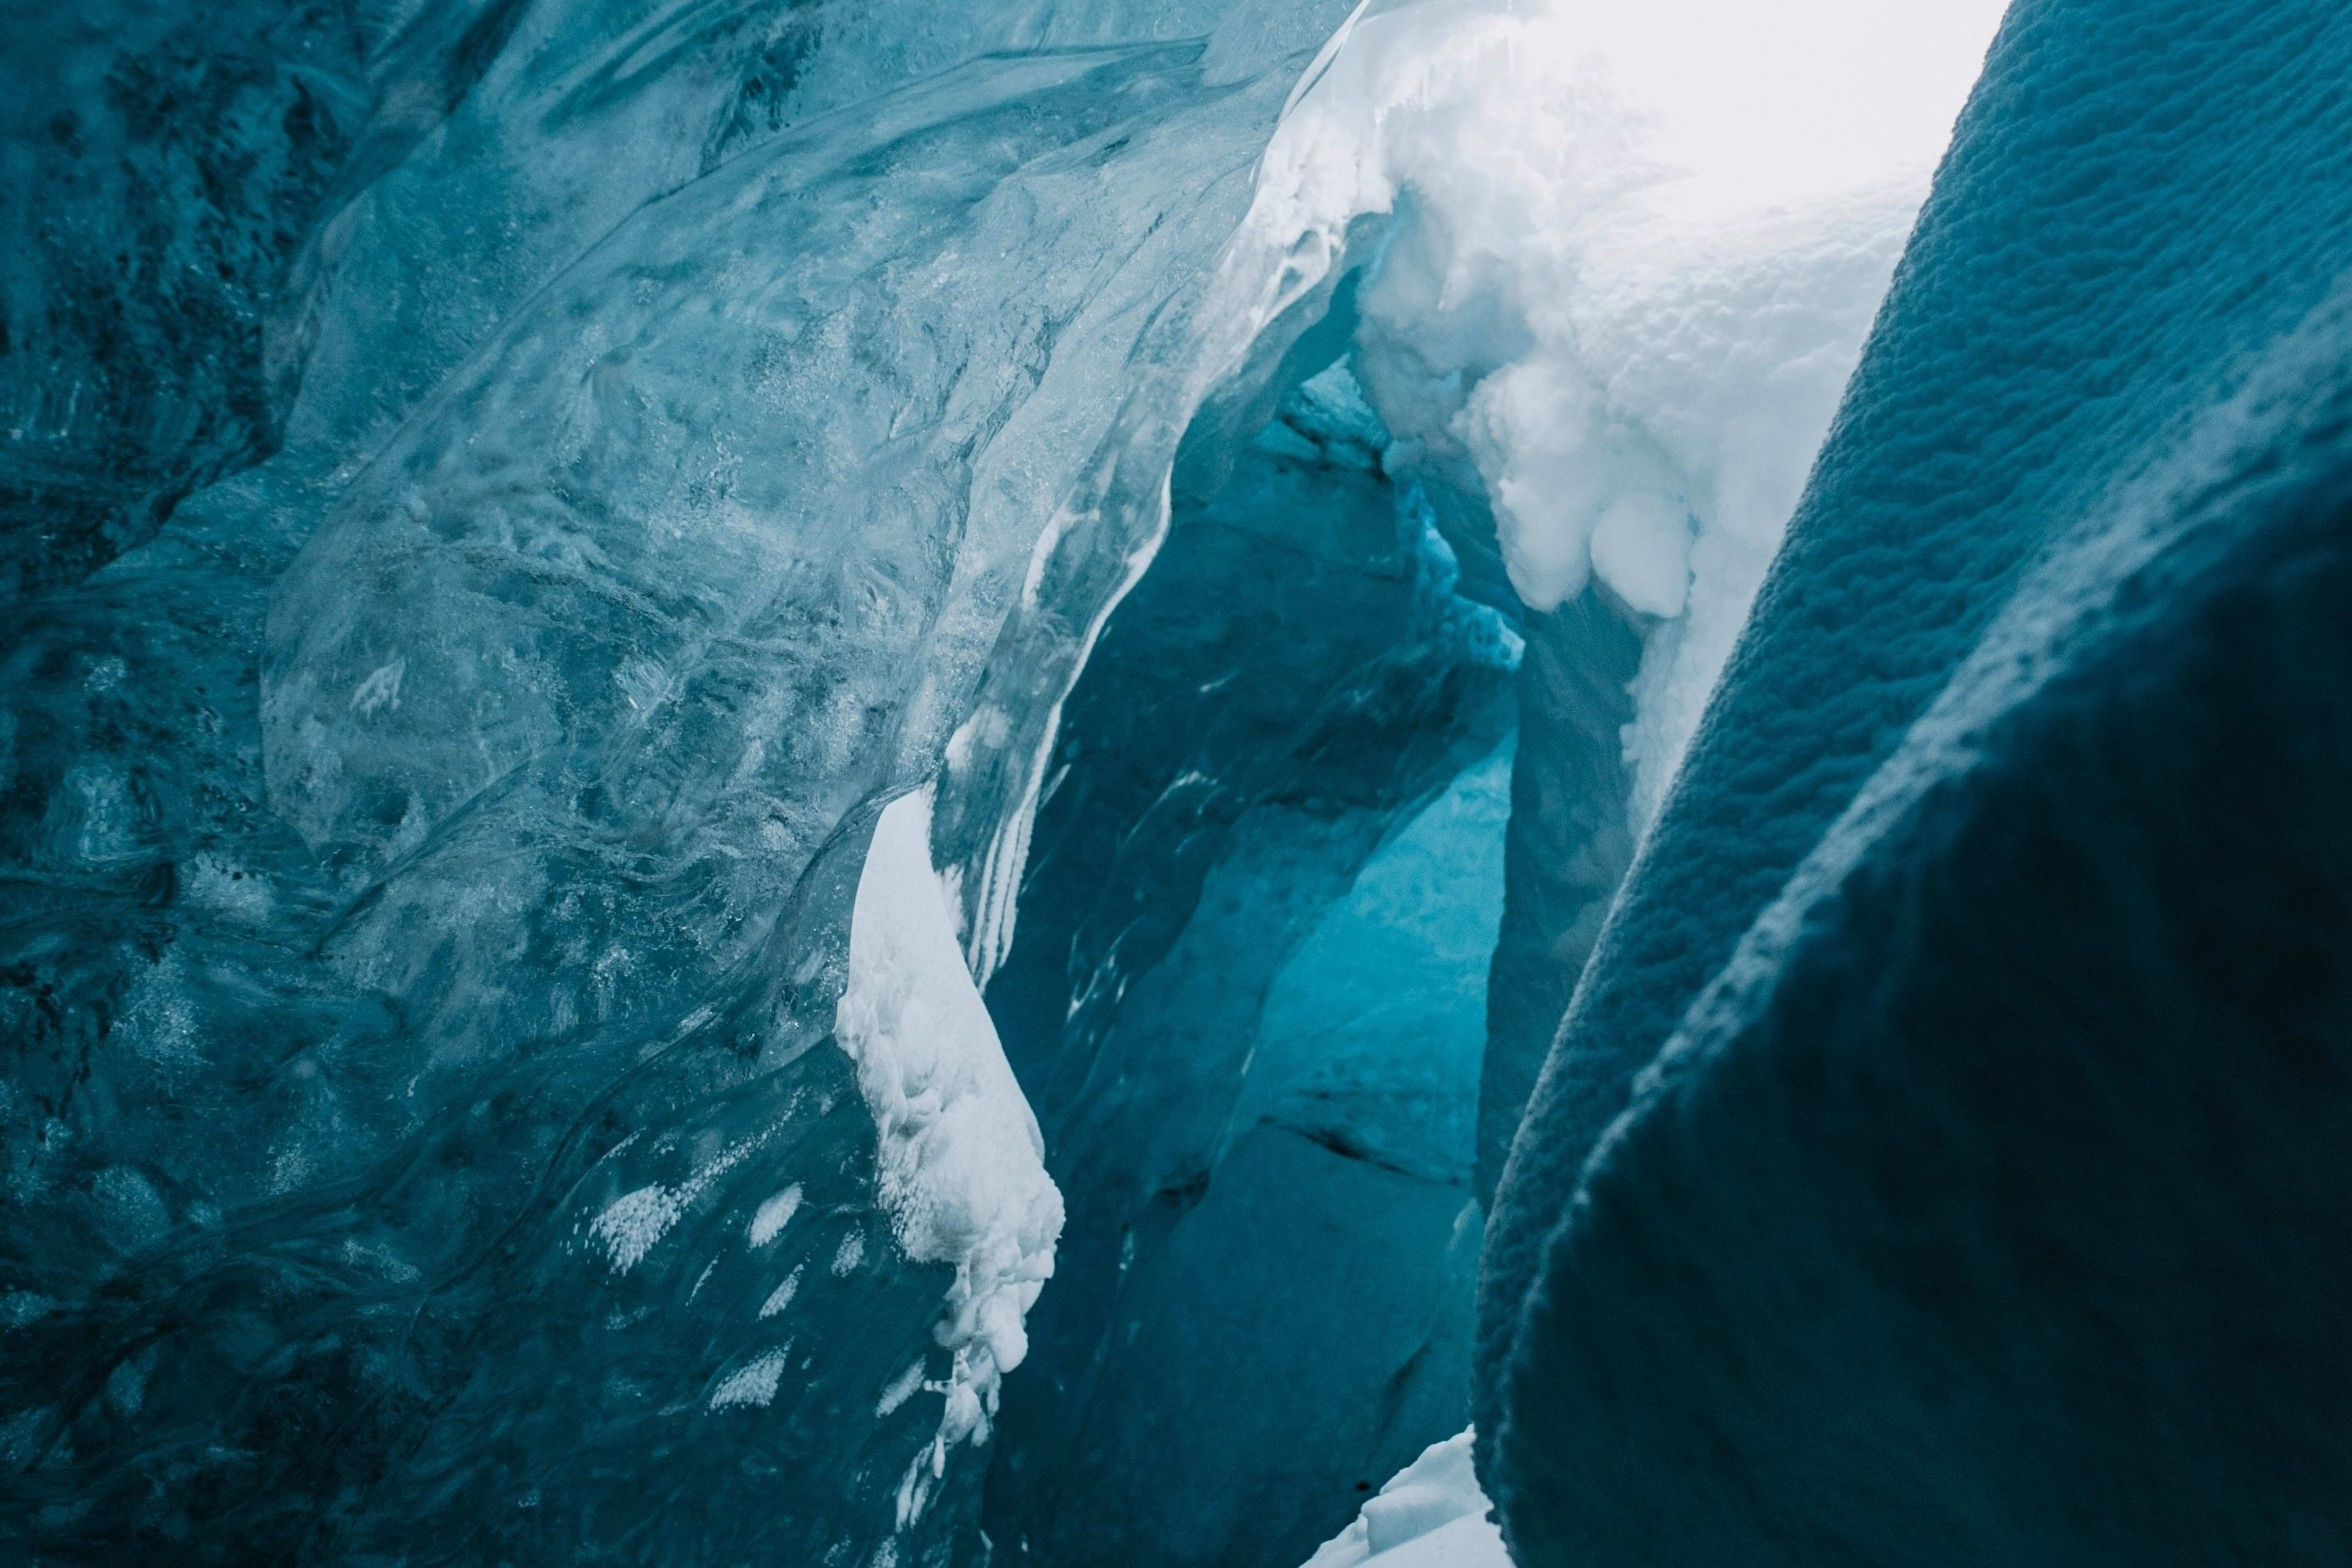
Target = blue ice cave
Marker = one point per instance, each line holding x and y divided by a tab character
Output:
1175	783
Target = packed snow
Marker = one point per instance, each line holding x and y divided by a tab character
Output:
1634	254
1431	1514
961	1165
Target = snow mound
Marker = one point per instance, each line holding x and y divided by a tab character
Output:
1431	1514
1634	255
961	1165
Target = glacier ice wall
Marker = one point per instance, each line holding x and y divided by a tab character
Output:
1602	376
584	600
561	488
1934	1163
432	854
162	168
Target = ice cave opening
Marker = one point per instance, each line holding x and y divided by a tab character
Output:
1246	994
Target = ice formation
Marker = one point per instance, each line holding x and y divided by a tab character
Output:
960	1165
460	816
1431	1514
1639	250
1266	1158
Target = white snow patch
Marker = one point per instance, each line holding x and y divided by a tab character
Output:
754	1383
901	1389
769	1219
1431	1514
380	690
631	1225
782	1296
1639	248
961	1166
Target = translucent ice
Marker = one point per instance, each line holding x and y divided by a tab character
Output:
1247	995
692	689
435	854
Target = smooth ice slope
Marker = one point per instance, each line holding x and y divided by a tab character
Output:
1981	1197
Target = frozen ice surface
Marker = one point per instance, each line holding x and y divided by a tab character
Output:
451	1026
1247	995
436	852
692	689
162	163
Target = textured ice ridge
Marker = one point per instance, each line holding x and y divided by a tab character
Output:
1932	1162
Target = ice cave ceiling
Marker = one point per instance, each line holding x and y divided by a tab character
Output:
1176	783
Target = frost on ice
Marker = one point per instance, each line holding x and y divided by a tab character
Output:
769	1220
753	1383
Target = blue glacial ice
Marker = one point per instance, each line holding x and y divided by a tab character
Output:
1247	993
458	1114
814	781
